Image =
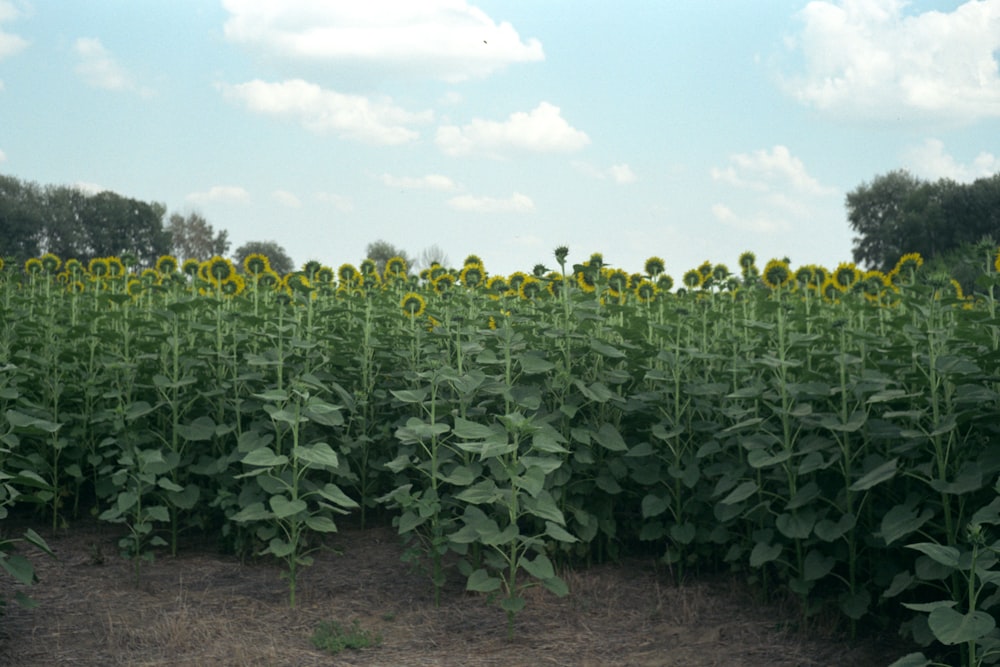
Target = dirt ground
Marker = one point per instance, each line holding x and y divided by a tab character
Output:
203	608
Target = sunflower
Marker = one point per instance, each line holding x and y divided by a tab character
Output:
116	268
255	264
585	278
719	273
472	275
149	277
846	276
530	288
693	278
75	287
443	283
72	266
234	286
218	270
497	286
646	291
747	260
996	262
561	252
805	275
395	266
98	267
269	279
776	274
911	261
191	267
368	266
166	264
665	283
325	275
310	268
297	282
348	275
830	290
371	280
472	259
1	263
413	304
134	287
33	266
873	283
515	280
435	270
50	262
617	280
555	283
654	266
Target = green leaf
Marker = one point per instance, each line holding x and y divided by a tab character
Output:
608	437
321	524
253	512
882	473
540	568
482	582
410	520
764	553
606	350
469	430
556	586
280	548
796	526
828	531
34	538
558	533
166	484
410	395
323	413
940	553
317	455
817	565
186	498
683	533
740	493
18	567
264	457
902	520
912	660
951	627
202	428
532	363
21	420
283	507
157	513
485	491
761	458
544	507
459	475
513	604
855	605
653	505
334	494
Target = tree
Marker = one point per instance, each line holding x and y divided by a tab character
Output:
116	225
19	220
193	237
382	251
432	254
279	260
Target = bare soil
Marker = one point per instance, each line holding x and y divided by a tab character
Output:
202	608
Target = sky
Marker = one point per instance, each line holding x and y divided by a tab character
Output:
691	131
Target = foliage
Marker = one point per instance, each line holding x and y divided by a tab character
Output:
382	251
279	260
192	236
815	430
898	213
332	637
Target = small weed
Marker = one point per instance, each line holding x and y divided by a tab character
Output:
333	638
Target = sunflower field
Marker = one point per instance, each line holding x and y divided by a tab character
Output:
828	434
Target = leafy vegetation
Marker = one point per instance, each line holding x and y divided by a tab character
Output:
826	433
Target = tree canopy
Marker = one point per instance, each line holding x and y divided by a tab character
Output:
72	223
897	213
192	237
278	259
381	252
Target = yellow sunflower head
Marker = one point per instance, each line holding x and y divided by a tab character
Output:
51	262
747	260
646	291
846	276
654	267
497	286
443	283
693	279
617	280
219	269
664	282
116	267
166	264
33	266
530	288
255	264
395	266
234	286
325	276
472	275
776	274
413	305
191	267
98	267
348	275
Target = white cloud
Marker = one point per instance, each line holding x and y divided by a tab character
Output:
871	58
451	98
931	161
3	156
9	42
320	110
446	39
286	198
426	182
619	173
98	68
763	170
516	203
774	185
340	202
228	194
542	129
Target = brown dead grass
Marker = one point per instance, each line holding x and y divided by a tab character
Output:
202	609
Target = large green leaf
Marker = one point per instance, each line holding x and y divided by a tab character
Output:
283	507
334	494
951	627
481	581
882	473
940	553
540	568
18	567
264	457
903	520
740	493
317	455
764	553
607	436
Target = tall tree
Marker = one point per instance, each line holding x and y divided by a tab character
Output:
116	225
877	213
194	237
20	221
279	260
382	251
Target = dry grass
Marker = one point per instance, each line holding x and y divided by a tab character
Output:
205	609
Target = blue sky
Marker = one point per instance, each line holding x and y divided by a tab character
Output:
688	130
